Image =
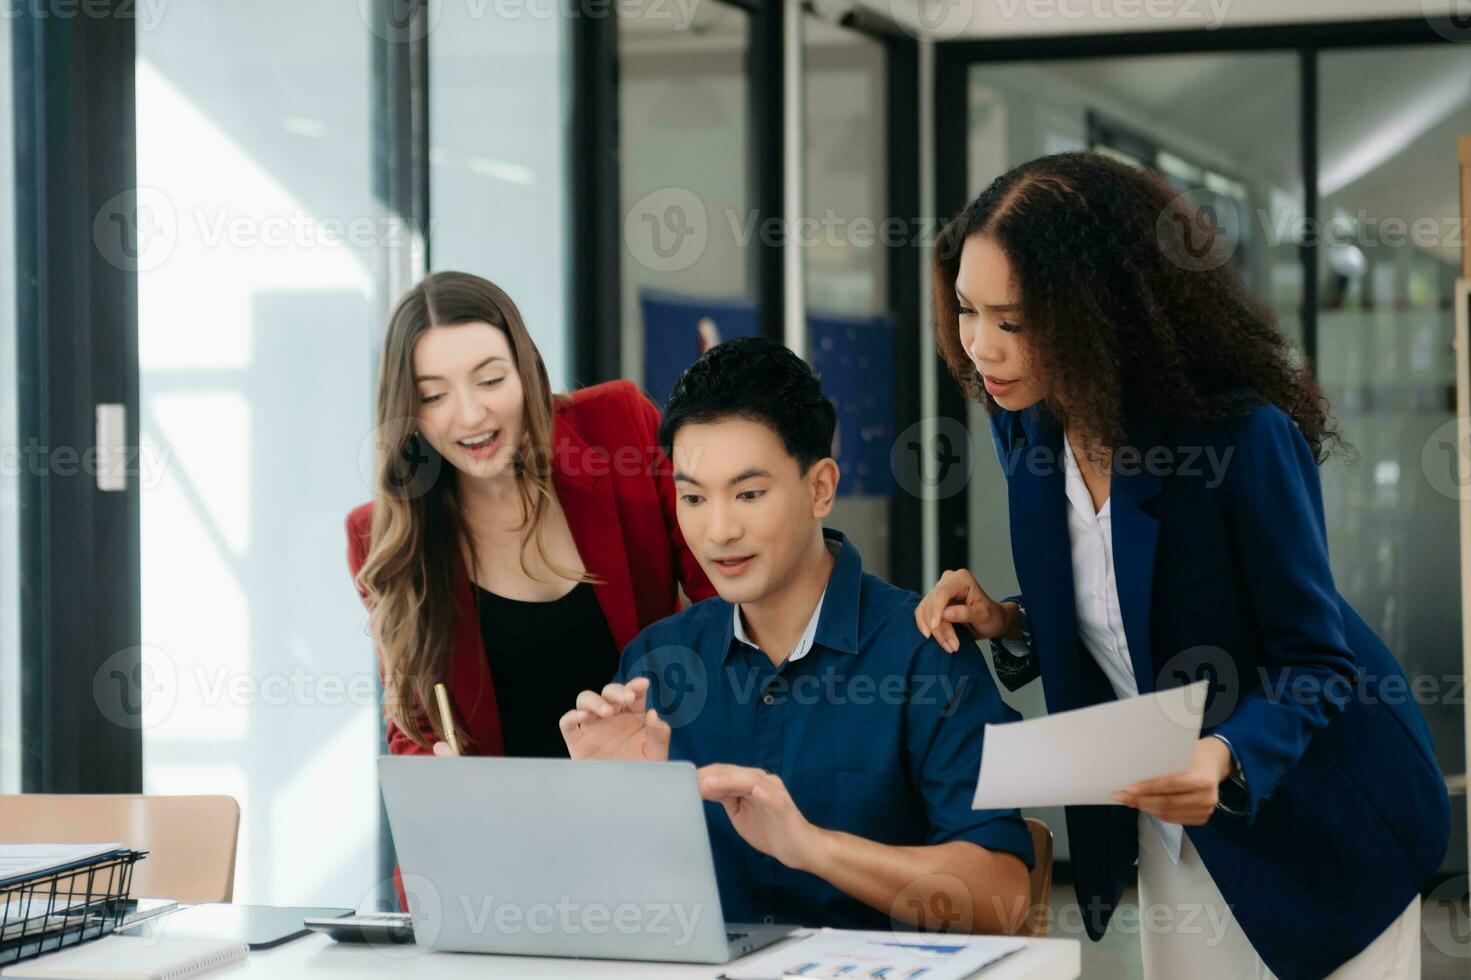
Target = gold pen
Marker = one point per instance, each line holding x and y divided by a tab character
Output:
446	720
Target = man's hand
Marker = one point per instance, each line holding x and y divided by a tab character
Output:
988	888
616	724
762	812
1188	798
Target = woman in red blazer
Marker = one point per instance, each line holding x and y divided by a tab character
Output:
517	540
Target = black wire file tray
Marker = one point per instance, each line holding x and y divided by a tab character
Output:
65	905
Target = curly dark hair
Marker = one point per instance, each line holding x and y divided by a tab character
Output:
757	379
1118	309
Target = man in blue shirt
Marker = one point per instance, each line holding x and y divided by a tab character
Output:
838	747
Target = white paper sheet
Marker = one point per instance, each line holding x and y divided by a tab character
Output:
1080	757
29	859
38	911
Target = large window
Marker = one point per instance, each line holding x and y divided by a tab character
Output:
845	239
11	460
499	160
256	338
1389	255
686	270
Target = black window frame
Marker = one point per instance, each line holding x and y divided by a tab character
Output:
77	347
596	231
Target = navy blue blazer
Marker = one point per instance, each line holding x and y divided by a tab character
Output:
1221	561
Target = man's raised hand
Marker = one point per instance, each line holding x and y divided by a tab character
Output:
616	723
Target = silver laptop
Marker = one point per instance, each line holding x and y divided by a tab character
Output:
555	857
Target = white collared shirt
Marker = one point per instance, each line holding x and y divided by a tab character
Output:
809	635
1096	600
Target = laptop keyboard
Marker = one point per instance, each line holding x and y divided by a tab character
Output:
731	937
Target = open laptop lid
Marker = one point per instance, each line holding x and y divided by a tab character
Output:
555	857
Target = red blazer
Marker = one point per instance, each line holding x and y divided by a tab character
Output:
617	490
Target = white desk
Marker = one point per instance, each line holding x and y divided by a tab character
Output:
316	956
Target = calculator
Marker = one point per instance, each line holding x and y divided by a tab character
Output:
385	928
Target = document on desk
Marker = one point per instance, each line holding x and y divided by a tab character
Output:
1080	757
41	910
887	955
24	860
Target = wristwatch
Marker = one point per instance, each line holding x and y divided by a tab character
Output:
1233	787
1014	667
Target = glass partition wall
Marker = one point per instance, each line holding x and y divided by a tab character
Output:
851	326
1388	259
687	281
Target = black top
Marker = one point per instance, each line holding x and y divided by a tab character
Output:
542	655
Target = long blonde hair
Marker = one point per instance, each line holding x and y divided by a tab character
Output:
418	523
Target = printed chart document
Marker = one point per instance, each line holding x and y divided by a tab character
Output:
885	955
1080	757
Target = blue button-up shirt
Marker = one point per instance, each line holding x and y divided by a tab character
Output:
875	732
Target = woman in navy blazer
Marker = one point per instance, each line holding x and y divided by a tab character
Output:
1161	448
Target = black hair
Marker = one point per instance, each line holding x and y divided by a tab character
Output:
759	380
1129	303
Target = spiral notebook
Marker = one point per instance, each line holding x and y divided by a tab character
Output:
131	958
